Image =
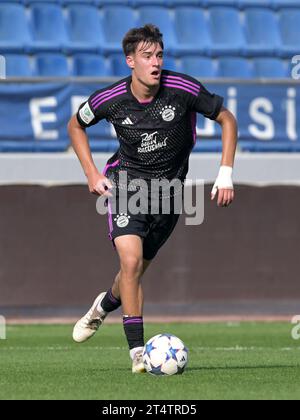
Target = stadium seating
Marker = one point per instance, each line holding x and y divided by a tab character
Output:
161	17
270	68
171	63
191	28
254	3
49	29
52	65
192	31
91	65
199	67
289	24
80	33
262	42
225	42
230	3
116	22
14	28
138	3
277	4
118	65
18	65
233	67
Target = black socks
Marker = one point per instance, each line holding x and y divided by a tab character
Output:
109	302
134	330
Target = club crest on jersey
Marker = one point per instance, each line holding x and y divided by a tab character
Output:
122	220
168	113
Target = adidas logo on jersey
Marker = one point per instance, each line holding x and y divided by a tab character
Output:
127	122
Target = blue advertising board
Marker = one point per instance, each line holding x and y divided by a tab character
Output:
34	116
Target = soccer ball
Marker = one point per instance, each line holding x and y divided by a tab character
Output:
165	354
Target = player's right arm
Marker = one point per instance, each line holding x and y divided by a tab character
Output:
98	183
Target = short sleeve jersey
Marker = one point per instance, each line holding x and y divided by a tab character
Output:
155	138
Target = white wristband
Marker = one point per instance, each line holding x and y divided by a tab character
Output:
224	180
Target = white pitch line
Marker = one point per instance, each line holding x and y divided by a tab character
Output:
203	349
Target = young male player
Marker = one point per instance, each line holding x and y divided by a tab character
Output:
154	115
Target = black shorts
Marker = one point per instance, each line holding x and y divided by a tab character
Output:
155	229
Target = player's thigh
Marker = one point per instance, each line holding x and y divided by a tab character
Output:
130	251
159	234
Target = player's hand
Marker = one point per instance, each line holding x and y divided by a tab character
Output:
99	184
224	187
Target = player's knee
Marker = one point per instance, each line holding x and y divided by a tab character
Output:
132	266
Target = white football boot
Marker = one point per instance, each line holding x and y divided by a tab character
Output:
89	324
137	363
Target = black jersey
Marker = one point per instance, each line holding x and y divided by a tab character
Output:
156	138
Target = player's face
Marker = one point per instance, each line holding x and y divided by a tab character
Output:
147	63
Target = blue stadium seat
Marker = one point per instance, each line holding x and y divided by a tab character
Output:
224	41
77	2
262	32
139	3
85	29
192	31
118	65
49	28
91	65
52	65
61	2
111	2
187	3
270	68
233	67
18	65
30	2
160	16
230	3
116	22
14	28
168	3
254	3
289	24
278	4
12	1
199	67
170	63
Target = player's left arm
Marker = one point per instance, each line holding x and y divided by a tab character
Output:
200	100
224	185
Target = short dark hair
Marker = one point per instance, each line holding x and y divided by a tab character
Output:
149	34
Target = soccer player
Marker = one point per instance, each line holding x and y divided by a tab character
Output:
154	114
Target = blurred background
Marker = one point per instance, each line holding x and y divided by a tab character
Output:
55	256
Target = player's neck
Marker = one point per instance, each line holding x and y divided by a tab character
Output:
142	92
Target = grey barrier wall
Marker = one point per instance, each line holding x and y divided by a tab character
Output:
259	169
54	249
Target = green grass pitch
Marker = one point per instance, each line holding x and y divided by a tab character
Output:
227	361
